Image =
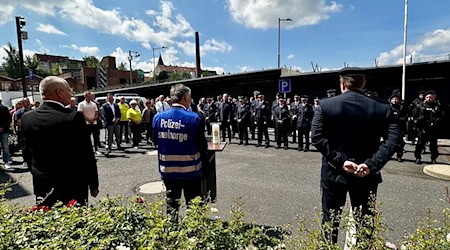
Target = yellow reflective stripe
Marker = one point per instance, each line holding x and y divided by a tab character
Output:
179	157
178	169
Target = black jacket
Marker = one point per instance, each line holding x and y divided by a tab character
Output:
5	119
63	161
108	115
349	127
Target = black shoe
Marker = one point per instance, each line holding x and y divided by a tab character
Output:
285	147
306	150
433	161
258	145
267	145
399	159
278	146
299	149
418	161
240	143
246	143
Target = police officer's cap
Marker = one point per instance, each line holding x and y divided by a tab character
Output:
331	91
429	92
296	95
304	96
421	92
280	95
256	92
349	71
241	98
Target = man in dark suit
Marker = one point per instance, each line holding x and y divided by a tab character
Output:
305	115
281	114
226	115
347	130
243	120
54	132
111	117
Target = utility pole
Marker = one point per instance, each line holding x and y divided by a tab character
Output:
21	35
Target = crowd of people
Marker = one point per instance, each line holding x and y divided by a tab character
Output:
244	118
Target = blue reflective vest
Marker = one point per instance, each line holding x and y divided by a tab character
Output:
175	131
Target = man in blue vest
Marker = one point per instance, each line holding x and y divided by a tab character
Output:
178	134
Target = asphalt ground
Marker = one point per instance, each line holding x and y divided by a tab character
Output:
275	185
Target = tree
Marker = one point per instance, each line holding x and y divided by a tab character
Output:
122	66
12	63
162	76
91	61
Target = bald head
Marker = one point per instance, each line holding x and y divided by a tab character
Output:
56	89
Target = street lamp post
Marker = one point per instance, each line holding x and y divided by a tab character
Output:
154	64
21	35
279	28
131	55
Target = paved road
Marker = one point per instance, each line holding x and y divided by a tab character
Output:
275	184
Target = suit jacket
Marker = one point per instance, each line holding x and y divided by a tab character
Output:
349	127
226	111
305	115
52	132
262	112
108	115
281	114
243	113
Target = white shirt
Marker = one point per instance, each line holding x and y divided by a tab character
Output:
89	110
112	108
161	106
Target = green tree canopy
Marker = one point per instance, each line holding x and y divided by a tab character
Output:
91	61
122	66
12	63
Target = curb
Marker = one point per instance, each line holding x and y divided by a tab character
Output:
439	171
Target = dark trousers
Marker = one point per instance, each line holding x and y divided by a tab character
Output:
226	128
148	130
282	132
333	200
401	148
124	126
294	131
262	129
110	131
303	132
253	129
136	131
95	131
208	126
243	132
423	138
191	189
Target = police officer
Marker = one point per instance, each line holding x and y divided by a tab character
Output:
400	114
305	115
429	117
293	111
414	108
179	135
331	93
226	115
243	120
262	119
253	102
281	114
210	111
272	111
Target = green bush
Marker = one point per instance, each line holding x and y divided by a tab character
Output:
136	224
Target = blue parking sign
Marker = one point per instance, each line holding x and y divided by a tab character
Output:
284	85
30	74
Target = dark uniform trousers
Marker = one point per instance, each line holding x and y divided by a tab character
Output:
191	187
424	137
262	129
334	195
303	132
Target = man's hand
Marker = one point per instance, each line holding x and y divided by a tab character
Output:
349	167
362	170
94	192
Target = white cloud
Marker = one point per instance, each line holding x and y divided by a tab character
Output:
219	70
146	45
50	29
42	48
289	57
246	68
121	57
210	46
432	46
264	14
85	50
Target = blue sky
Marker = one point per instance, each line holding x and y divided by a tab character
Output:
235	35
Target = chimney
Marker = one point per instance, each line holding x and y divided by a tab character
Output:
197	55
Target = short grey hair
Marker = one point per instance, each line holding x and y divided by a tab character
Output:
177	92
50	84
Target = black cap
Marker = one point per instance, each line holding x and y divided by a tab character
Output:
296	95
429	92
256	92
396	91
421	92
304	96
348	71
331	91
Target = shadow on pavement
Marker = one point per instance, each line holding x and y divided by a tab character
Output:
16	189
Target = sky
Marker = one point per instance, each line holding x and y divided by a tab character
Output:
235	35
